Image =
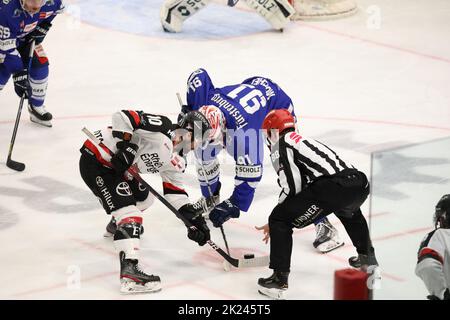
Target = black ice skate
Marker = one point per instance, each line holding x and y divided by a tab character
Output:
40	116
363	261
274	286
112	227
327	237
134	280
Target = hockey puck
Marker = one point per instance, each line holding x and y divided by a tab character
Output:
249	256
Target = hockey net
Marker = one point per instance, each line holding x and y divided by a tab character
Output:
323	9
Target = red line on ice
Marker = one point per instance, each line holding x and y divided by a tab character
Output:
375	43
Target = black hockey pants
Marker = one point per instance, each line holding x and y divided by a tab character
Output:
342	193
113	191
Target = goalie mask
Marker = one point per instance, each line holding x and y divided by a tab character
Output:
442	213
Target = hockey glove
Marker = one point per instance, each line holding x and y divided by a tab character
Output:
223	212
39	33
124	157
21	83
201	234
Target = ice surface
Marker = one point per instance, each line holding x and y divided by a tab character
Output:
356	87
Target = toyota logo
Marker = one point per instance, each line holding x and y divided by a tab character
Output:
100	182
123	189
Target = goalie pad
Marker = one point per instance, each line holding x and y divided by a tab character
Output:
323	9
174	12
276	12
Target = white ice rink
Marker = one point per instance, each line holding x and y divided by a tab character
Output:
376	80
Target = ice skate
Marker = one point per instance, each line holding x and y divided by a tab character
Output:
40	115
274	286
134	280
327	237
111	228
363	261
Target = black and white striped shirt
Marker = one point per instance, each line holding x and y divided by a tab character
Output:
299	161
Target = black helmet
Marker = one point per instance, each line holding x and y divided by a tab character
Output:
442	212
196	123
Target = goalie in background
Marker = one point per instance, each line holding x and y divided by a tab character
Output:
433	265
174	12
278	13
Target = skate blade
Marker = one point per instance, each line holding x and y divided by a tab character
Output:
272	293
328	247
131	287
108	235
47	124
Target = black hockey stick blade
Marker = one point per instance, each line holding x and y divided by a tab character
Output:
232	3
15	165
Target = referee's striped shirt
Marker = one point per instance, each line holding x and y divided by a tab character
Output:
299	161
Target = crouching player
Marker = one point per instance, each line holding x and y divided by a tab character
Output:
147	142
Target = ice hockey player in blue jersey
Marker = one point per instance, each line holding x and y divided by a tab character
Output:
235	114
21	22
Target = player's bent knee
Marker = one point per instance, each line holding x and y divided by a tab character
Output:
146	203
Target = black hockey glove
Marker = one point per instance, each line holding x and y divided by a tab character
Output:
39	33
124	157
201	234
21	83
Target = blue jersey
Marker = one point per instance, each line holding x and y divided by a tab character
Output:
15	24
244	106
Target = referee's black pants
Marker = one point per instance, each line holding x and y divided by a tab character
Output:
342	193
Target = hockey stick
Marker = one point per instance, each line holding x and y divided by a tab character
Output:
238	263
10	163
232	3
214	203
180	101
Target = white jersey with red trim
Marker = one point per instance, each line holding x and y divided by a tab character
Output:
433	265
155	154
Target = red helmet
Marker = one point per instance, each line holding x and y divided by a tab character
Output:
277	120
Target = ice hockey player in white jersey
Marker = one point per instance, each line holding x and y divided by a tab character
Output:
315	182
174	12
433	264
145	141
